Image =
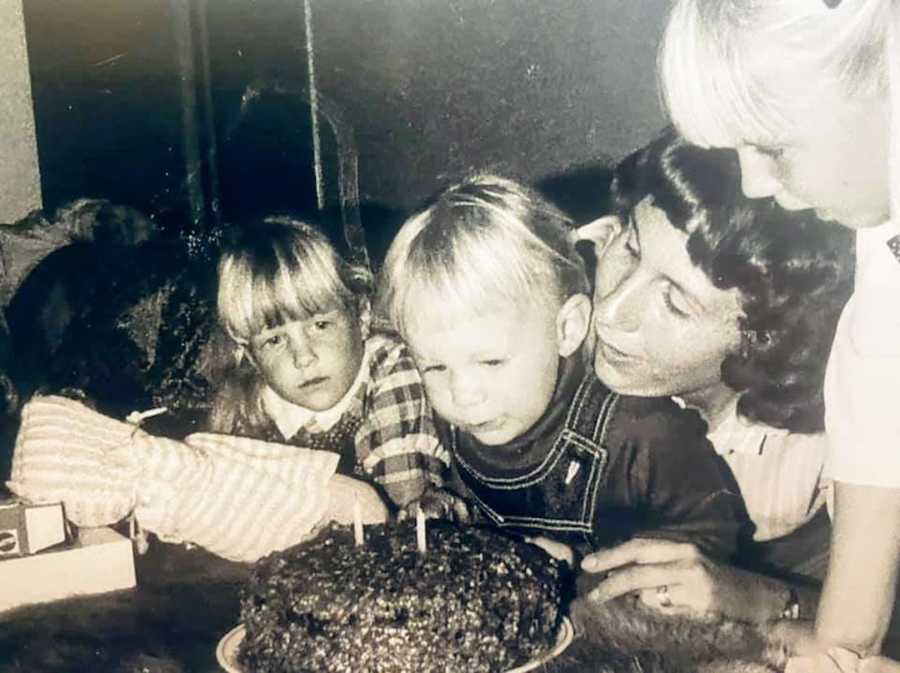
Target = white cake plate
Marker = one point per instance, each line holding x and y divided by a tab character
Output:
227	650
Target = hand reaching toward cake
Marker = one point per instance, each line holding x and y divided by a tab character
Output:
344	492
438	503
558	550
239	498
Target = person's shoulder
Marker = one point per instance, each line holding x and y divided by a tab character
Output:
657	422
388	356
659	413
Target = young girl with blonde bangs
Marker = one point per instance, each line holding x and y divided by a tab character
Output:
304	367
808	93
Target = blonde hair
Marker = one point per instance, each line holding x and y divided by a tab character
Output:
714	93
272	271
485	241
280	269
718	98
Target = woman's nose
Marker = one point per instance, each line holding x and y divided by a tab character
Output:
620	305
759	177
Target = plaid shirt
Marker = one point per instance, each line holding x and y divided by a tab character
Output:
387	433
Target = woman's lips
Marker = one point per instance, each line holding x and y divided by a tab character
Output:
612	353
310	383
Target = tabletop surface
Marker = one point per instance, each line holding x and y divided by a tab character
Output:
187	600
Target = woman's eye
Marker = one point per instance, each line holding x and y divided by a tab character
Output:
675	303
322	325
493	362
433	369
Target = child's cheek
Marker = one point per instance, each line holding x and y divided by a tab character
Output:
437	395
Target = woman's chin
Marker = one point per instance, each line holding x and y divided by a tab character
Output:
621	382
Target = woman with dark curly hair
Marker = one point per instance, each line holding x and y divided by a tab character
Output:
729	305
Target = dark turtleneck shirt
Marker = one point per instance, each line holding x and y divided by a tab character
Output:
599	468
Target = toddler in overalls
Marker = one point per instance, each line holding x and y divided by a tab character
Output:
489	293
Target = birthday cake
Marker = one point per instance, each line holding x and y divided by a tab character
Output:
476	601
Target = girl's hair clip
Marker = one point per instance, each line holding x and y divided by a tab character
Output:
831	4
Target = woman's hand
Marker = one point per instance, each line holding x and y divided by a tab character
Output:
839	660
558	550
693	583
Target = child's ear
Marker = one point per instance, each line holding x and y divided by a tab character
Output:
242	353
600	232
572	323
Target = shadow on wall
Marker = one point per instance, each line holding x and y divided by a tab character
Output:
582	193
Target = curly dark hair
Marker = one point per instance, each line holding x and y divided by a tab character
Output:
794	272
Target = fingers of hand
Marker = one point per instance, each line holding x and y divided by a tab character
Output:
637	578
345	492
461	511
434	505
558	550
824	662
672	600
641	551
879	665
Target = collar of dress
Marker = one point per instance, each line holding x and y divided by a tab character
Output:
736	435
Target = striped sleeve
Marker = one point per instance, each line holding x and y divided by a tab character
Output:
397	441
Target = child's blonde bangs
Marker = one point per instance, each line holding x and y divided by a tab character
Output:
475	274
299	285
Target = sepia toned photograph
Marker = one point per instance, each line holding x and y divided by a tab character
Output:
458	336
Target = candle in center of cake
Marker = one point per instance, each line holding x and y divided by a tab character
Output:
358	534
420	530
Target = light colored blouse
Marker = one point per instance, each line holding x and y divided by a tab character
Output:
862	415
780	473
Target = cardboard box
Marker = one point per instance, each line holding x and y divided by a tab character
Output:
101	560
27	529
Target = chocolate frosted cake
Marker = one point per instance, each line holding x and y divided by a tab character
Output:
477	601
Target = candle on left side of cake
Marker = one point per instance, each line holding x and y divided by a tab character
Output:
358	534
420	530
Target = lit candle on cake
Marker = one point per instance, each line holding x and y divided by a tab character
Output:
358	534
420	530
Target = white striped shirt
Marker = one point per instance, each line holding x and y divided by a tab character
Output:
779	473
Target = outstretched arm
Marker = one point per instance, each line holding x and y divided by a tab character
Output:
858	596
694	583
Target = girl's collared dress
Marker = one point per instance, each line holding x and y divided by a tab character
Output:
382	428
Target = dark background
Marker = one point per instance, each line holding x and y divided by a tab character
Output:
195	111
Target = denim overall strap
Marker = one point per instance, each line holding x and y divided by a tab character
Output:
560	494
